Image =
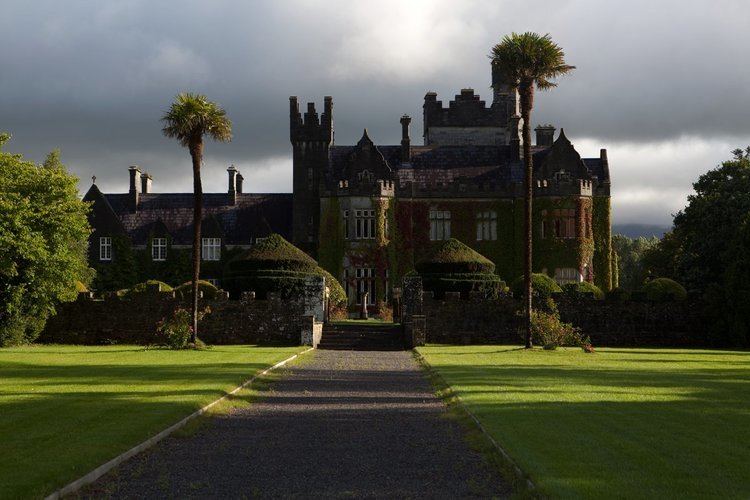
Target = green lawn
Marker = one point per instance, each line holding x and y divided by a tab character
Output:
64	410
633	423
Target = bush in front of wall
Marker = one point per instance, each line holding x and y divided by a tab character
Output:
542	286
663	290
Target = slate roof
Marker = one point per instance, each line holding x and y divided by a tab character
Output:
252	216
456	158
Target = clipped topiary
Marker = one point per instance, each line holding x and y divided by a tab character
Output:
274	265
663	290
455	257
337	295
541	285
142	287
185	291
454	267
583	287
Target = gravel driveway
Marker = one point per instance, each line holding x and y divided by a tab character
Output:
341	424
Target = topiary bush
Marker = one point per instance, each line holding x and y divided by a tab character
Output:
185	291
583	287
337	296
542	286
275	265
142	287
663	290
454	267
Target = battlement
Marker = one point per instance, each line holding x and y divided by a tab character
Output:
460	188
382	188
310	127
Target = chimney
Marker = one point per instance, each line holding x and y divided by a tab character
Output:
239	183
405	140
545	135
135	186
232	186
146	183
605	164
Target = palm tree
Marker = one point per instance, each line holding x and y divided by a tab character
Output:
190	117
523	61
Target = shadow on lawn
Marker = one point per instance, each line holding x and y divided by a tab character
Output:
614	431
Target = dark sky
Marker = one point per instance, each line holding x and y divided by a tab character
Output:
665	86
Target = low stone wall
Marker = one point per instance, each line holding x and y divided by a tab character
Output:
135	319
477	320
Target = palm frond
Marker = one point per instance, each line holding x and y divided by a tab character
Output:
531	58
192	116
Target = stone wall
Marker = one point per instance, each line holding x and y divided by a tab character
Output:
476	320
135	319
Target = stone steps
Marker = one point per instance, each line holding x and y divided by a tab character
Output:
361	338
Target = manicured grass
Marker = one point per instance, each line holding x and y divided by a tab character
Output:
627	423
65	410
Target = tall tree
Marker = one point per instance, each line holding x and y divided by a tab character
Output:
190	118
43	243
524	61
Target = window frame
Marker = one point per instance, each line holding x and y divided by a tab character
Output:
211	249
157	245
105	248
487	225
440	225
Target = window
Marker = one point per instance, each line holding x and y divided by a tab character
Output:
487	226
260	240
440	225
211	249
365	280
345	221
310	179
567	275
159	249
562	224
364	224
105	248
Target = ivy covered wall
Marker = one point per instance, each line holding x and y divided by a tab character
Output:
605	265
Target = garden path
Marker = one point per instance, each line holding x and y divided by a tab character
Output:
340	423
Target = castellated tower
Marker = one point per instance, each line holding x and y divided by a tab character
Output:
311	139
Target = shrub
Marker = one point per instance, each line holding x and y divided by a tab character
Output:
80	287
142	287
550	332
184	291
542	286
337	296
455	257
583	287
454	267
663	290
175	332
618	294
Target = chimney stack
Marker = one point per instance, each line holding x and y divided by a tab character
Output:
232	187
545	135
239	183
135	186
405	140
146	183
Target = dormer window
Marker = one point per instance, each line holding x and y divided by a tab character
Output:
562	175
211	249
105	248
158	249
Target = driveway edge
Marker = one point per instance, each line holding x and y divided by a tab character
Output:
95	474
451	398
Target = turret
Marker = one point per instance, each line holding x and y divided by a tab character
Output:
311	136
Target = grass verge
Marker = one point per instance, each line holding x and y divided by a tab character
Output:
645	423
65	410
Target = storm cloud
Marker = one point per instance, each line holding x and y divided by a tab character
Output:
665	86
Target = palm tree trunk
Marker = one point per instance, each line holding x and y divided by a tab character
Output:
196	153
527	102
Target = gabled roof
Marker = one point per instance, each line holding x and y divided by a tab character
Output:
252	216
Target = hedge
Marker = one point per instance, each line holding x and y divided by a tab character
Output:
663	290
583	287
185	290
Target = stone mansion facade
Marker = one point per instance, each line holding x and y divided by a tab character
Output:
368	212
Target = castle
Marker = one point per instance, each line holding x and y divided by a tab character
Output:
368	212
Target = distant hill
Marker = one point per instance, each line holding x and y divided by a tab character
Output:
636	230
